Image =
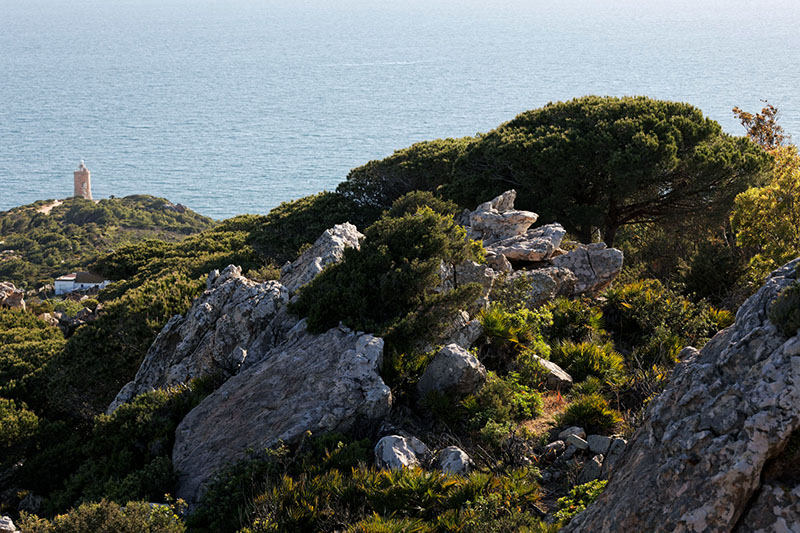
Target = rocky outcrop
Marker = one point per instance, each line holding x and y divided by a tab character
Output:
327	249
775	509
318	383
11	297
233	320
517	250
497	219
696	463
453	371
453	460
594	265
535	245
396	451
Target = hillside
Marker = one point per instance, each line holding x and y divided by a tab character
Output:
40	241
414	364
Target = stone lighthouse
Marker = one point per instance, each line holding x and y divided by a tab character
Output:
83	182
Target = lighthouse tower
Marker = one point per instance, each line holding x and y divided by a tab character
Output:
83	182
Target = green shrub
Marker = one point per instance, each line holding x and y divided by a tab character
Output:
521	327
578	499
502	400
228	502
412	202
335	500
18	424
784	312
592	413
391	276
531	372
108	517
377	524
574	321
127	454
422	166
586	359
512	334
27	347
648	321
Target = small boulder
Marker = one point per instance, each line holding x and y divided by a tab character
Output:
498	262
454	370
591	470
574	430
396	451
454	460
556	378
599	443
7	525
578	442
554	449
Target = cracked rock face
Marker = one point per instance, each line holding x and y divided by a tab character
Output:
319	383
497	219
235	319
327	249
593	265
697	462
536	244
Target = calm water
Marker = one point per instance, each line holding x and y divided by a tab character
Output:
235	106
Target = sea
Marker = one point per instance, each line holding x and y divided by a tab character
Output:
234	106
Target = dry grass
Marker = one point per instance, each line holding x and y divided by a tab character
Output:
553	405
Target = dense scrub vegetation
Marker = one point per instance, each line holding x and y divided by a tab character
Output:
691	256
37	247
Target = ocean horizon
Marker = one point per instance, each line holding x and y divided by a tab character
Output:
234	107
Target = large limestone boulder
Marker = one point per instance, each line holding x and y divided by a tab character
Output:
233	320
535	245
698	461
327	249
454	370
497	219
11	297
318	383
396	451
594	265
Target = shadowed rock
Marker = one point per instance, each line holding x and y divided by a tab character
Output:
696	463
234	319
318	383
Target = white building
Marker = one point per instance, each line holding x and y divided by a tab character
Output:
79	281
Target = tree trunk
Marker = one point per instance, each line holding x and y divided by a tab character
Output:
609	235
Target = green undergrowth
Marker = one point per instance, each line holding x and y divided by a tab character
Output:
326	485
